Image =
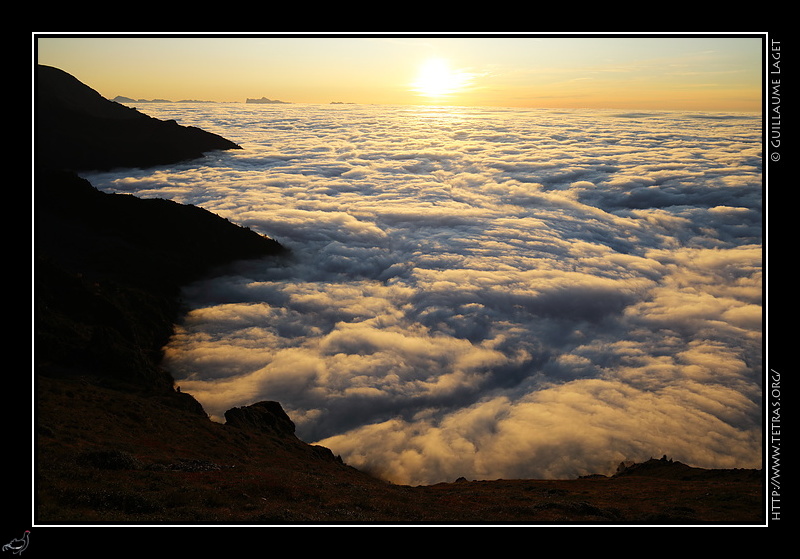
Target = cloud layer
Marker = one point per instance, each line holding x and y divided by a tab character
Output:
484	293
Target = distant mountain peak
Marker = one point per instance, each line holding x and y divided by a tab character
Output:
265	101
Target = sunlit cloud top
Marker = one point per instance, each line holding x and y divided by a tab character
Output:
482	292
696	73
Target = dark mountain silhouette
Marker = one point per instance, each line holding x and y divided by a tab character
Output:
108	271
109	267
665	468
79	129
117	442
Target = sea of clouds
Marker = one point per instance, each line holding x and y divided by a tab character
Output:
487	293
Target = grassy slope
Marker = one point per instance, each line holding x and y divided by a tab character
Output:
112	456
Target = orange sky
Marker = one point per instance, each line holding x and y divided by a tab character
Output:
669	72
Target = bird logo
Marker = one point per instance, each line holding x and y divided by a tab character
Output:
18	545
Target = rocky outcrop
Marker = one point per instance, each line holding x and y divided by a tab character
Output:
269	417
266	416
667	468
77	128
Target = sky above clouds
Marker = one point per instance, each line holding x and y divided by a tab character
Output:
488	293
708	72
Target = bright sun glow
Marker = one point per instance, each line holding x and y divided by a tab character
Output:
437	79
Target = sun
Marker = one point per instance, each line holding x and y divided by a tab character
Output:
437	80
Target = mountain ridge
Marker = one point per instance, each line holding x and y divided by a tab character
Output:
77	128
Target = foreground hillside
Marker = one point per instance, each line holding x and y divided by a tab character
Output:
116	442
110	456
